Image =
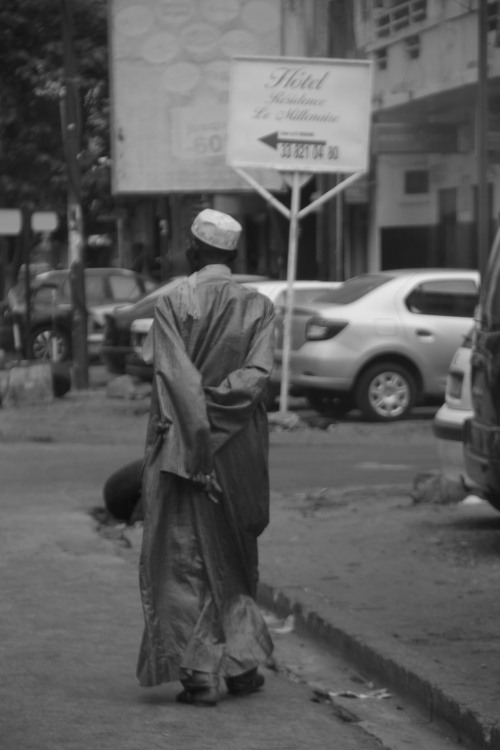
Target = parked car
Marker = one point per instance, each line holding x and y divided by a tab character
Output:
304	291
51	307
381	342
448	423
117	345
482	431
276	290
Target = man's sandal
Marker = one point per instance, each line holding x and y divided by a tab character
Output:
203	697
245	684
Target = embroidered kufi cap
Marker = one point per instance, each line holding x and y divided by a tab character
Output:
216	229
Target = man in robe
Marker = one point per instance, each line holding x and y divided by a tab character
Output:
205	478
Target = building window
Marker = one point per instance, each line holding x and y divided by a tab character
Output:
381	58
401	14
416	182
413	46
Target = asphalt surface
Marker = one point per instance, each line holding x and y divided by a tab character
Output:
406	591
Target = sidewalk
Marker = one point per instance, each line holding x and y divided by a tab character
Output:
408	593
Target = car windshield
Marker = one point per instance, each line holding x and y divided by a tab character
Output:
353	289
125	288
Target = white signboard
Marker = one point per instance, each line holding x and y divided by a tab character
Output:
44	221
11	221
170	67
299	114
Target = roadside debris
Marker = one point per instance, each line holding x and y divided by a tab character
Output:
285	420
277	626
473	500
381	694
433	487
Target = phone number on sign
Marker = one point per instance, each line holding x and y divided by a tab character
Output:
308	151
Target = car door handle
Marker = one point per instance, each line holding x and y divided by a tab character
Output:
423	332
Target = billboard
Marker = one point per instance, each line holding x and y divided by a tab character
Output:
170	70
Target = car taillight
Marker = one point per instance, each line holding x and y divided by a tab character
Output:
318	329
454	385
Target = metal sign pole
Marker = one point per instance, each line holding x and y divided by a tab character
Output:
291	271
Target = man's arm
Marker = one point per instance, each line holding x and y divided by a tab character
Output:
231	404
180	401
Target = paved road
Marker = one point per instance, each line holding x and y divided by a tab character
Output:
70	627
302	466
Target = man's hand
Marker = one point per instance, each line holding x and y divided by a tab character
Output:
208	483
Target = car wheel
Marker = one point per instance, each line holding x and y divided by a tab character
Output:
385	392
330	404
53	345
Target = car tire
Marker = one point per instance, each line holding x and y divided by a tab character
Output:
330	404
122	492
42	339
385	392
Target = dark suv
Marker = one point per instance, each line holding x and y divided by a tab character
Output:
51	307
482	431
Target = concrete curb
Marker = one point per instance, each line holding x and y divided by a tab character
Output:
428	698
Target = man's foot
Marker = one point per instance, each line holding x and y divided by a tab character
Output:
245	684
203	697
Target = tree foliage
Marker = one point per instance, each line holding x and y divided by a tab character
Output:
32	164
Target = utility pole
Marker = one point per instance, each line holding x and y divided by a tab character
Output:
26	237
483	198
71	136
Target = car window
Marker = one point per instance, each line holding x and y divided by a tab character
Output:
353	289
94	290
65	290
125	288
448	297
44	295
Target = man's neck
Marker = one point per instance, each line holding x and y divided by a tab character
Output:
215	269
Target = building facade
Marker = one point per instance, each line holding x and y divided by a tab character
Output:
426	168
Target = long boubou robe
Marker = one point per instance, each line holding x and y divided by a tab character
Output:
212	354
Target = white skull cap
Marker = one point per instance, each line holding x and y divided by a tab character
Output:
216	229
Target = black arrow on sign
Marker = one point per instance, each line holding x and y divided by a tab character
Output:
273	139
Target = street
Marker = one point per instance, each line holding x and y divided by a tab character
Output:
71	625
344	540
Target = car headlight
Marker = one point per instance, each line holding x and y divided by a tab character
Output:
318	329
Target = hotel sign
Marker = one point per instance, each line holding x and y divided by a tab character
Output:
299	114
